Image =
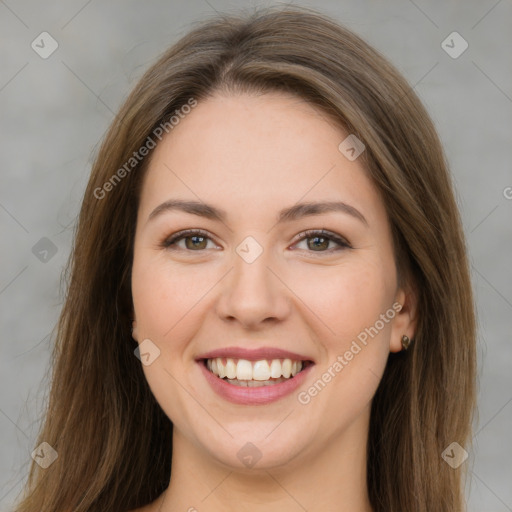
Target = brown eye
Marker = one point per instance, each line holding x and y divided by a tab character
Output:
188	240
318	242
195	242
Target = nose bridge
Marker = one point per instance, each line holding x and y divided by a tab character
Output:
252	294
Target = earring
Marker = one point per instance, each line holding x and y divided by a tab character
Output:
406	341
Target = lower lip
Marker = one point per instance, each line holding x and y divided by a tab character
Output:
253	396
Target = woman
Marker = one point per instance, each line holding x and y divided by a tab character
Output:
269	302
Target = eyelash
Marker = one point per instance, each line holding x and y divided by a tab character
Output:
312	233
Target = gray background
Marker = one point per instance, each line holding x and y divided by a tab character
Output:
54	112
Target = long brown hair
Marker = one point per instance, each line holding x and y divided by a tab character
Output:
113	440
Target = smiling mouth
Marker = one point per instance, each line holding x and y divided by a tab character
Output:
253	374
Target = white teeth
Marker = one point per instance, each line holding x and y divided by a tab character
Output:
275	369
249	372
244	370
230	369
261	370
221	369
286	368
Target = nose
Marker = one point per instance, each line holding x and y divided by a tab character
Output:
253	295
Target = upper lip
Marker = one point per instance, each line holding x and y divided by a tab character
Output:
254	354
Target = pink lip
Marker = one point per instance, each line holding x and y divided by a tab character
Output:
253	396
254	354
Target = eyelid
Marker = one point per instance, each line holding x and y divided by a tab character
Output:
184	233
310	233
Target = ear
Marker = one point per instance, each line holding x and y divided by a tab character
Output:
134	331
405	319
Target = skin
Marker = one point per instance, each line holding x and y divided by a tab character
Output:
252	156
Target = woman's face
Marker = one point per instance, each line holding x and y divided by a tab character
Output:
251	284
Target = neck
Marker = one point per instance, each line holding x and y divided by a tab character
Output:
332	479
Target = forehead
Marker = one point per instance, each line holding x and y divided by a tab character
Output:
250	153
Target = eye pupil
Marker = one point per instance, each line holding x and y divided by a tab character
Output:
322	245
193	242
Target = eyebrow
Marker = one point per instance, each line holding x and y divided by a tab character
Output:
292	213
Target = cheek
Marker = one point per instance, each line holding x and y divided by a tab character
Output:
164	296
345	298
355	342
165	302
